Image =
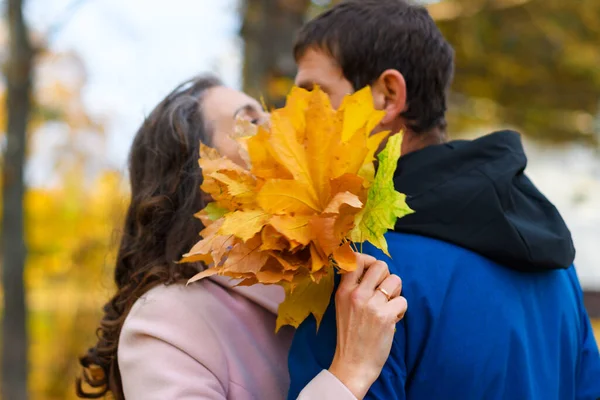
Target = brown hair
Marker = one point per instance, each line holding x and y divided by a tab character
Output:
159	227
367	37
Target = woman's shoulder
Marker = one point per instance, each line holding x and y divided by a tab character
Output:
171	323
179	296
178	314
178	307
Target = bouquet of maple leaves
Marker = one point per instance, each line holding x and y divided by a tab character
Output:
308	195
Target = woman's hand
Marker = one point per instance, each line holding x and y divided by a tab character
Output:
368	306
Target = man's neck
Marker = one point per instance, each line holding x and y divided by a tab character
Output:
416	141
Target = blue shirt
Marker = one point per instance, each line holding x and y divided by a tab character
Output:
473	330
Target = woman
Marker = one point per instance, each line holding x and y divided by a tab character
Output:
161	339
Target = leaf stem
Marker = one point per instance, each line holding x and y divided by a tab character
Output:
354	248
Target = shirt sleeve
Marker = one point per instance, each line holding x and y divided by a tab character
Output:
325	386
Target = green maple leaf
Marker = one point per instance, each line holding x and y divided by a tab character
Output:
214	212
384	204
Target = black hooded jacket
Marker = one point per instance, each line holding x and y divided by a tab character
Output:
475	194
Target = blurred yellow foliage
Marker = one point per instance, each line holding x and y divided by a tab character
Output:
72	242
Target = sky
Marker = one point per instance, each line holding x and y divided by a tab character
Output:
136	51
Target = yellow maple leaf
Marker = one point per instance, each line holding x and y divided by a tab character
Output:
294	227
321	138
296	105
339	200
272	239
308	187
282	196
244	224
286	150
245	258
305	298
263	164
357	117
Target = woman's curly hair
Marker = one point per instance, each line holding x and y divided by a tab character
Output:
159	228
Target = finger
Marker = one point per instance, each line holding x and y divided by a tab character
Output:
352	279
392	285
364	261
373	277
397	281
397	308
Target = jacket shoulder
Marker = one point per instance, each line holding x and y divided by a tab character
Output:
181	317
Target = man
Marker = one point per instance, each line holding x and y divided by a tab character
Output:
495	306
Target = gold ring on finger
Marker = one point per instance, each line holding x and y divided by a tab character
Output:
385	293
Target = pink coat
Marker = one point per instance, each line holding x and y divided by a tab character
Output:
210	340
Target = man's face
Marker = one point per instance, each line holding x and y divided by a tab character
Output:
318	68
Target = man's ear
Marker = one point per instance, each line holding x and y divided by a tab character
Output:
389	94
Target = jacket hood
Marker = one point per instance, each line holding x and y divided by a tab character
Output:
475	194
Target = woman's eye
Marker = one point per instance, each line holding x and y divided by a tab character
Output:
249	118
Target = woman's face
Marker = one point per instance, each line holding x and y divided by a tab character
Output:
221	107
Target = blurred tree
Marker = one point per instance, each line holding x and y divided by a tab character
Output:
268	31
65	138
18	70
528	63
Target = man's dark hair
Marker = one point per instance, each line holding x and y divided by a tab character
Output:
367	37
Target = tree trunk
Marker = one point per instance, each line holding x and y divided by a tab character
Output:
18	74
268	31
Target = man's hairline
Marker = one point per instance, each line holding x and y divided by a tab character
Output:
319	48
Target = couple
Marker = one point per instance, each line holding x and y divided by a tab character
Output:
496	309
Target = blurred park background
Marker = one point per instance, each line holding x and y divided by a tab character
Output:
96	67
